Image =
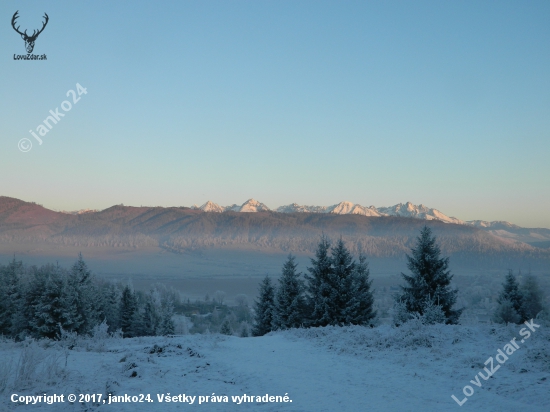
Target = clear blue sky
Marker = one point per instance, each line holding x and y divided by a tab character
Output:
435	102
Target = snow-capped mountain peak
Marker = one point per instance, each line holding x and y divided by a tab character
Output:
251	205
211	207
420	212
342	208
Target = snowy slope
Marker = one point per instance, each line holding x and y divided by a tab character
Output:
411	368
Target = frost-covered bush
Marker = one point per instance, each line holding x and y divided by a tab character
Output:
414	333
101	332
400	314
433	314
68	339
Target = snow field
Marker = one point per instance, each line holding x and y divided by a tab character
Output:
411	368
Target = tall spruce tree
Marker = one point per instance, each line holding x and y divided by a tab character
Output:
430	279
289	300
128	313
86	300
320	293
343	304
264	308
360	309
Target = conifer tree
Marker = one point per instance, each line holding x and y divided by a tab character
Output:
128	313
320	293
52	304
510	301
430	279
289	300
244	330
505	313
533	297
360	310
226	328
110	306
167	326
86	299
343	305
150	319
11	299
339	287
264	308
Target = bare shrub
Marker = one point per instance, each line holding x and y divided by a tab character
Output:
50	370
30	358
5	373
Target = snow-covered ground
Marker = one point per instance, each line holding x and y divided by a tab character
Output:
411	368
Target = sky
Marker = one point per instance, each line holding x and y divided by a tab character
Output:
315	102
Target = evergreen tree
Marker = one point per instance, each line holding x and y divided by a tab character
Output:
360	309
11	299
289	300
73	318
264	308
167	326
320	293
226	328
510	295
128	313
430	279
533	297
150	320
52	303
244	330
343	305
339	287
86	296
109	305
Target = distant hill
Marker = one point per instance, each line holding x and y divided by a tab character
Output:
181	229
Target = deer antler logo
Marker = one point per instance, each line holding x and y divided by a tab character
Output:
29	40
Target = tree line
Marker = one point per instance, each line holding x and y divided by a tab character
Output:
337	291
41	302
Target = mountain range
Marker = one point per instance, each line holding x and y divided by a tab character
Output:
342	208
379	232
539	237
